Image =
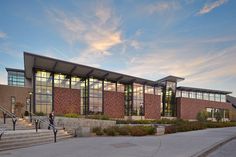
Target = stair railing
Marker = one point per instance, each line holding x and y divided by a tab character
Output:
8	113
39	120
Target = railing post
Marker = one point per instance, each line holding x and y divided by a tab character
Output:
30	117
4	117
1	135
14	123
36	124
55	134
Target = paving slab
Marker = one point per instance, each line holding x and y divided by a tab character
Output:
185	144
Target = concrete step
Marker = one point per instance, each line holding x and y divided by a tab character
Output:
27	138
31	143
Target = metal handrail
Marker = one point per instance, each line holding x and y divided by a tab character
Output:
13	116
38	119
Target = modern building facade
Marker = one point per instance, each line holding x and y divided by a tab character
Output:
48	84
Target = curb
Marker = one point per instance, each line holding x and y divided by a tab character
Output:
213	147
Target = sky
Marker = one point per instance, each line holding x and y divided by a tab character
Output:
194	39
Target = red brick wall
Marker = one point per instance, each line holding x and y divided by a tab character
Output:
188	108
152	106
66	100
114	104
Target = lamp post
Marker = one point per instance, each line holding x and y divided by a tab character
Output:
30	109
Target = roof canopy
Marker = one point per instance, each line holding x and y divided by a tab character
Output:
54	65
171	78
203	90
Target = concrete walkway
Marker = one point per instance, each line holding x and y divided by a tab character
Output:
175	145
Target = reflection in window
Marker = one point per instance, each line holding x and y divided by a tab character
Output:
185	94
137	99
223	98
128	99
178	93
95	96
212	97
61	80
120	87
43	92
149	90
169	100
16	78
199	95
75	82
217	97
158	91
205	96
192	95
109	86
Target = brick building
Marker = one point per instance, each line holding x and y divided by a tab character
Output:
48	84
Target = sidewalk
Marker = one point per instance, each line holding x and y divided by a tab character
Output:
175	145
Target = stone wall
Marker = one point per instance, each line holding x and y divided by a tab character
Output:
188	108
152	106
114	104
66	100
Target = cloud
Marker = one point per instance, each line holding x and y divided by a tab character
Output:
99	30
202	67
3	35
210	6
161	7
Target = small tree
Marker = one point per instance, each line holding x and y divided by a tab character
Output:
202	116
218	116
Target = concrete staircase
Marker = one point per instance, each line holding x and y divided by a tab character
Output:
27	138
25	135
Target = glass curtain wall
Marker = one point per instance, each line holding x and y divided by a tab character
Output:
84	96
128	99
61	80
16	78
138	103
169	103
43	92
95	96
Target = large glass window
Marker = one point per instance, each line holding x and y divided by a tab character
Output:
185	94
16	78
43	91
95	96
169	108
205	96
178	93
217	97
128	99
75	82
223	98
84	97
120	87
199	95
158	91
149	90
192	95
212	97
109	86
137	99
61	80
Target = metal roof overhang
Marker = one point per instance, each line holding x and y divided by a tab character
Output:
171	78
33	61
203	90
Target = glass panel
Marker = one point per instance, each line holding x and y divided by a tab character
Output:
16	78
169	104
109	86
43	91
137	109
212	97
149	90
199	95
120	88
61	80
223	98
95	96
205	96
185	94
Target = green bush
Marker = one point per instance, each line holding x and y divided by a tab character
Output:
98	131
111	131
98	116
202	116
125	130
72	115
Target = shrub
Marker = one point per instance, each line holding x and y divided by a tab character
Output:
125	130
72	115
202	116
98	131
138	131
101	117
111	131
